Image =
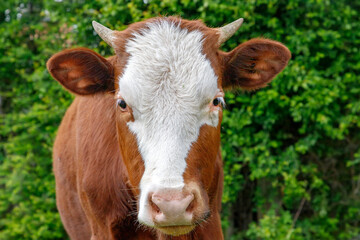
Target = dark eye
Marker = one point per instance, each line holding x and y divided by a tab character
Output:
121	103
216	101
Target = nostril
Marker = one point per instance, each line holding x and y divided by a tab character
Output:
191	206
189	202
153	205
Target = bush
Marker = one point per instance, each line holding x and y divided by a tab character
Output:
291	150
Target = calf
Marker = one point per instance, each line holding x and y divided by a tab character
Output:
137	154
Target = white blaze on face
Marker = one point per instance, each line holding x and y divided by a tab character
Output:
168	82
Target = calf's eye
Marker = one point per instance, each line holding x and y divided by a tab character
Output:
216	101
122	104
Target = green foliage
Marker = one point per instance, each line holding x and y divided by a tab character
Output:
273	226
291	150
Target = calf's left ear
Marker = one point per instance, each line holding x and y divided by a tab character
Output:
254	63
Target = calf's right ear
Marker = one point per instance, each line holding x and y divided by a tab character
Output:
82	71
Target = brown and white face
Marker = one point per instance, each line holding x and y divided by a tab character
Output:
168	78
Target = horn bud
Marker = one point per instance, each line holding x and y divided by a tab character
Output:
228	30
105	33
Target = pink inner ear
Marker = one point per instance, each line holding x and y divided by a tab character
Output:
81	71
255	63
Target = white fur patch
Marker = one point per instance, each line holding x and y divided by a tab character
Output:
168	82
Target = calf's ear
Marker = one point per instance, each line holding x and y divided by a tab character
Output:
82	71
254	63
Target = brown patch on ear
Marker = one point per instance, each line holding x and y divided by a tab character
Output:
254	64
82	71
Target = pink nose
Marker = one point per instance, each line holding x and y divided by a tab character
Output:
172	208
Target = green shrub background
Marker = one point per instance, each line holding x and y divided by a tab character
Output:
291	150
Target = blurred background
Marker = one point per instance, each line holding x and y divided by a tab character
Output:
291	150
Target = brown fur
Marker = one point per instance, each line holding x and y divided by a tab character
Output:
97	164
254	64
82	71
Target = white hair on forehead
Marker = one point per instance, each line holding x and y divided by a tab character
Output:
168	82
169	58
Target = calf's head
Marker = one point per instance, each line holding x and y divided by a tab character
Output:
168	79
